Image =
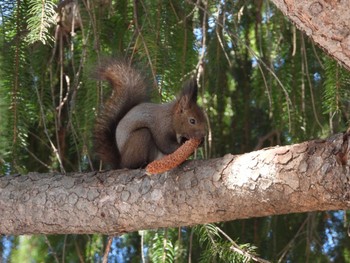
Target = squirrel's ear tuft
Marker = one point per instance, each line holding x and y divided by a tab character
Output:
190	90
188	96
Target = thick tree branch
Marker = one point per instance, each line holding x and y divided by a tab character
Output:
303	177
325	21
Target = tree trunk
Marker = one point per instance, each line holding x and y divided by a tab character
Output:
327	22
310	176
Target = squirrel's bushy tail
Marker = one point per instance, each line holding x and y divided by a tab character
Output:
129	89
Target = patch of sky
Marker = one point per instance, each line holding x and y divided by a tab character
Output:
332	236
211	23
198	33
279	62
317	77
199	36
254	62
6	9
119	253
6	242
266	16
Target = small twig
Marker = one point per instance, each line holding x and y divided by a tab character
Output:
235	247
290	243
52	145
47	241
139	34
190	246
309	82
108	248
64	248
142	234
37	158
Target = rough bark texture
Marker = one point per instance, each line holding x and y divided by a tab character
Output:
304	177
327	22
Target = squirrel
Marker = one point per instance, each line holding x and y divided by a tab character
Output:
131	132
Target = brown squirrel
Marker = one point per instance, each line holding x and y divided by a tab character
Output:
131	132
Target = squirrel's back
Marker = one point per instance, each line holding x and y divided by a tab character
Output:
128	90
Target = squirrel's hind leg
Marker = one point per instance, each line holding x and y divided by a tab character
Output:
139	150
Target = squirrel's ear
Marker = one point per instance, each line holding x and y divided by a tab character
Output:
189	92
191	88
188	96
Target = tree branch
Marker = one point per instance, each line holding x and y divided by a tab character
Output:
310	176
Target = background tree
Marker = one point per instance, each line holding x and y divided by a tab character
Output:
263	83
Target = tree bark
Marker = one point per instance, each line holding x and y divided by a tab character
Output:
327	22
310	176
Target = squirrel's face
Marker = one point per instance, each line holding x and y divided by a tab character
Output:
190	122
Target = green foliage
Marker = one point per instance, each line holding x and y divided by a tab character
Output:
15	92
56	248
41	17
162	250
336	95
165	245
215	248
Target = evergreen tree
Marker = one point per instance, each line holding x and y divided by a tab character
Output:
263	83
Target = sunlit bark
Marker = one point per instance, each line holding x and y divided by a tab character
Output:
310	176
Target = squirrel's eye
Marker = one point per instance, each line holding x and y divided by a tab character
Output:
192	121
